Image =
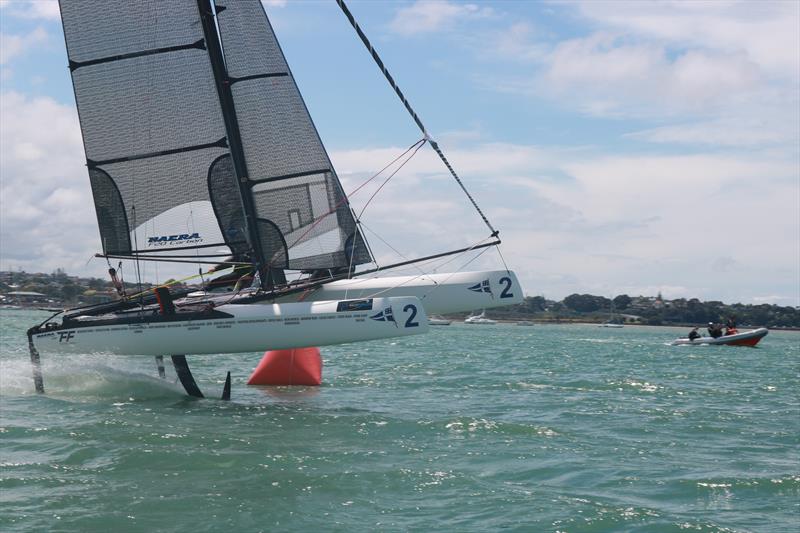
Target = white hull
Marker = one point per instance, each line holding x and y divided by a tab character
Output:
482	321
439	293
260	326
251	328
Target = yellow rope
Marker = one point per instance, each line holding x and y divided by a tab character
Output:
173	282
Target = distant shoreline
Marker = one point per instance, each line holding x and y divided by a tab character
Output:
60	290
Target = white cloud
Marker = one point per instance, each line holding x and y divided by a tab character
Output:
428	16
46	211
768	129
707	225
715	73
766	32
516	42
31	9
12	46
608	75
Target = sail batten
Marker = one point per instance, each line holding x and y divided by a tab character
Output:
199	44
293	175
234	79
221	143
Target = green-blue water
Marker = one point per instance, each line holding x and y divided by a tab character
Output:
468	428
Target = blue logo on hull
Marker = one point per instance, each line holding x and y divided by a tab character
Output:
385	316
483	286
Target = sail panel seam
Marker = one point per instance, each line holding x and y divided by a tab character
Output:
222	143
198	45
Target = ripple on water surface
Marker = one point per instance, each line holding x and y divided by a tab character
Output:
553	428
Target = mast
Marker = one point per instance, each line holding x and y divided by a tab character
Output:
269	276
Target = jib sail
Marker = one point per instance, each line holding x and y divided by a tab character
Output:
294	187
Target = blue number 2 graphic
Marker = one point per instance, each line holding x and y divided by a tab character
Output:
507	290
410	322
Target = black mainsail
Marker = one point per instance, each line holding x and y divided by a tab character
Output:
196	136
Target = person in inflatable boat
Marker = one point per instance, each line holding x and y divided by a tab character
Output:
715	330
694	334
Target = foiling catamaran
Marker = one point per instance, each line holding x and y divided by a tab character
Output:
199	147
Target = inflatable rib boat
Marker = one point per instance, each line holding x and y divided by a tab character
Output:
744	338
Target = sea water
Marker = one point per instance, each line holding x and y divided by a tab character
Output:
468	428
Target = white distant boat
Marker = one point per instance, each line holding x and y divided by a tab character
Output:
479	319
613	321
438	321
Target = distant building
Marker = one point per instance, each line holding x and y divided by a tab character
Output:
26	297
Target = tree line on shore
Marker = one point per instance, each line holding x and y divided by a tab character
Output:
647	310
653	311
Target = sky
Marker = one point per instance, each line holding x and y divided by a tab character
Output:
619	147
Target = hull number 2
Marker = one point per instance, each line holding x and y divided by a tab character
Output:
410	323
507	289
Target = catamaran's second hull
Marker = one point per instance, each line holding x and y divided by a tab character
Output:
238	328
439	293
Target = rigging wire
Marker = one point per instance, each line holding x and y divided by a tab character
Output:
136	243
392	247
503	259
462	267
457	256
392	162
378	293
345	200
419	145
411	111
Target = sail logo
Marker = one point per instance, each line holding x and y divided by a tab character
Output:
175	240
483	286
385	316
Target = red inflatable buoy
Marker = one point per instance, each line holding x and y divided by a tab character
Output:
298	366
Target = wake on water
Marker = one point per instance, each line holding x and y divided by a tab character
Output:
87	377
